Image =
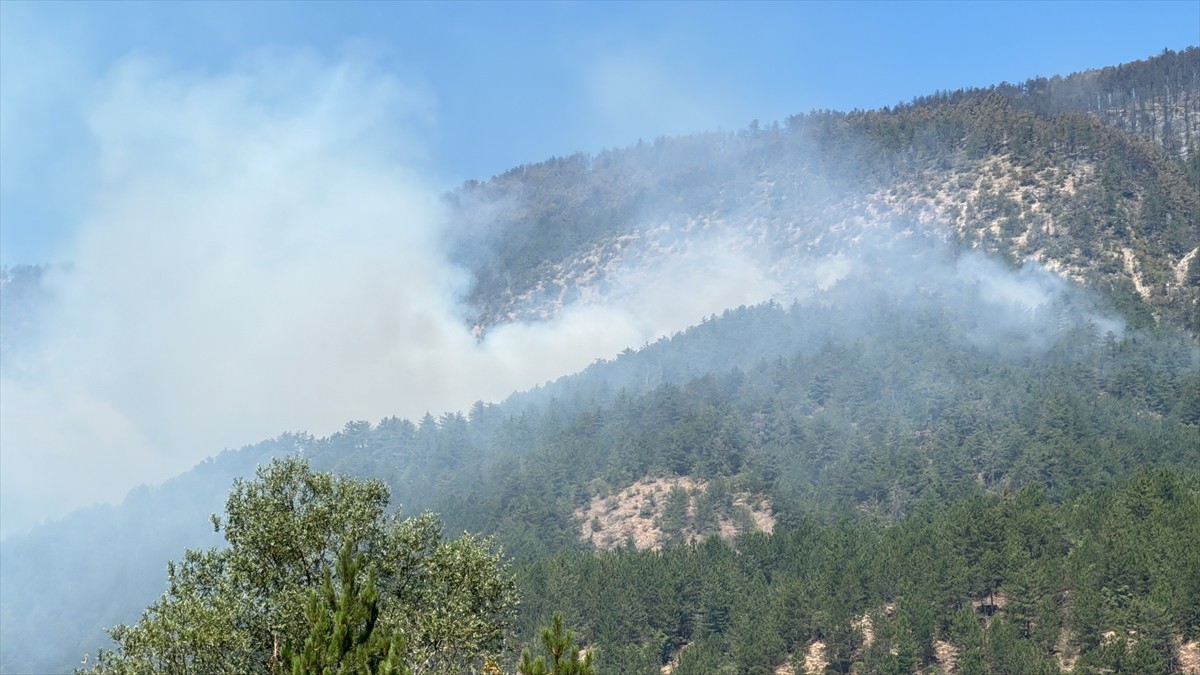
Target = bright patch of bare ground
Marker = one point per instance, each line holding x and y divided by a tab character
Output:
816	660
946	655
632	514
1189	657
961	197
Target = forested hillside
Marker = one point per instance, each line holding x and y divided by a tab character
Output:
1028	172
1107	581
869	403
1155	99
970	413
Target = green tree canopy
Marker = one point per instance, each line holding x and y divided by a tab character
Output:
238	609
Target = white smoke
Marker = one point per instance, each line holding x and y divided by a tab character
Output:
262	253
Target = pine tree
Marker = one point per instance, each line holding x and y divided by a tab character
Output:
559	644
346	637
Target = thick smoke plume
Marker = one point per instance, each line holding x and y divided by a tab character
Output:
263	253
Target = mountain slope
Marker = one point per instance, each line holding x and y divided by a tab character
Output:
971	294
1003	170
875	399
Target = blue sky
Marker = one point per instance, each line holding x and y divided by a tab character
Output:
494	85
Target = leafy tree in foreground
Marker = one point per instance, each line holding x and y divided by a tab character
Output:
240	609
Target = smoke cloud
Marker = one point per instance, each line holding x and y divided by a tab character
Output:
262	252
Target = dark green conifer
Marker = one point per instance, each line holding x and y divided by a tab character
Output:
560	645
346	637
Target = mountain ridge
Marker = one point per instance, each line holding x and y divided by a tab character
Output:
1098	204
915	350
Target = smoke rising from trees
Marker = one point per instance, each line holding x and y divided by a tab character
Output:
262	252
265	251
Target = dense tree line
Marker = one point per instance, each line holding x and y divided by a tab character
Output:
908	412
851	407
317	577
1156	98
1012	582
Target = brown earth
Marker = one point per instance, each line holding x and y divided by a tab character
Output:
632	513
